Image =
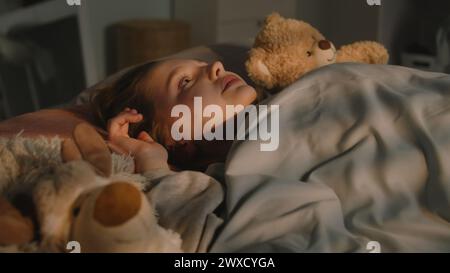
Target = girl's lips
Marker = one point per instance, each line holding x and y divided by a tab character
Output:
229	80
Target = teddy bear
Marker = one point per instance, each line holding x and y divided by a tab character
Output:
285	49
80	203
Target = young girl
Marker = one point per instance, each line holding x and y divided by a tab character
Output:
137	111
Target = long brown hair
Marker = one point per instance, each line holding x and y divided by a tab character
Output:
108	102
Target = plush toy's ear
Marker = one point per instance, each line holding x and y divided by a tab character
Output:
273	17
257	70
92	148
70	151
363	52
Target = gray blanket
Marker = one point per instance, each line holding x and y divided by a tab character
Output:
364	156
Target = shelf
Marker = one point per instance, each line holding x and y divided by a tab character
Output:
42	13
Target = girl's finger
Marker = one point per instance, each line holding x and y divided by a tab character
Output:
124	118
117	149
128	110
145	137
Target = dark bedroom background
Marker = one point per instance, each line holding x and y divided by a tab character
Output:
50	51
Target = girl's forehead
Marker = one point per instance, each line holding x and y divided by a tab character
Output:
171	64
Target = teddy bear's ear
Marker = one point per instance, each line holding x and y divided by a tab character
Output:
273	17
93	148
258	70
262	68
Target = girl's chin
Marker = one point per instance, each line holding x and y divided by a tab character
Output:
252	95
242	95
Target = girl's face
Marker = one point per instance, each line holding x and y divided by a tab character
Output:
175	82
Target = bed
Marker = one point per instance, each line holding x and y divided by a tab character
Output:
363	160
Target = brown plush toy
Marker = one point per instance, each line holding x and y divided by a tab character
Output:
81	202
286	49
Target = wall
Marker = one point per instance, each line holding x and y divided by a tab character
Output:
96	15
396	23
398	26
342	21
411	22
435	13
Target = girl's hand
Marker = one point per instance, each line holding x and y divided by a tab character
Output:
119	125
148	154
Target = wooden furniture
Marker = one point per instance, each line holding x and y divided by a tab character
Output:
137	41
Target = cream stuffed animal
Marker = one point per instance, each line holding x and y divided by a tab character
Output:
81	202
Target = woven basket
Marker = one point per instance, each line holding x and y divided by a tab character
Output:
137	41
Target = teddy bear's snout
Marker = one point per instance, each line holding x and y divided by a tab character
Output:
324	44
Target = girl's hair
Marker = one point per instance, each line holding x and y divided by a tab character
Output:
108	102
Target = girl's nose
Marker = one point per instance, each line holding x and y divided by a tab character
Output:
215	70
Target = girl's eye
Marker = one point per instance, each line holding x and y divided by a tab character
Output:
184	81
309	53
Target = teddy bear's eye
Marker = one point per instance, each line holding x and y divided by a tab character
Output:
76	211
309	53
